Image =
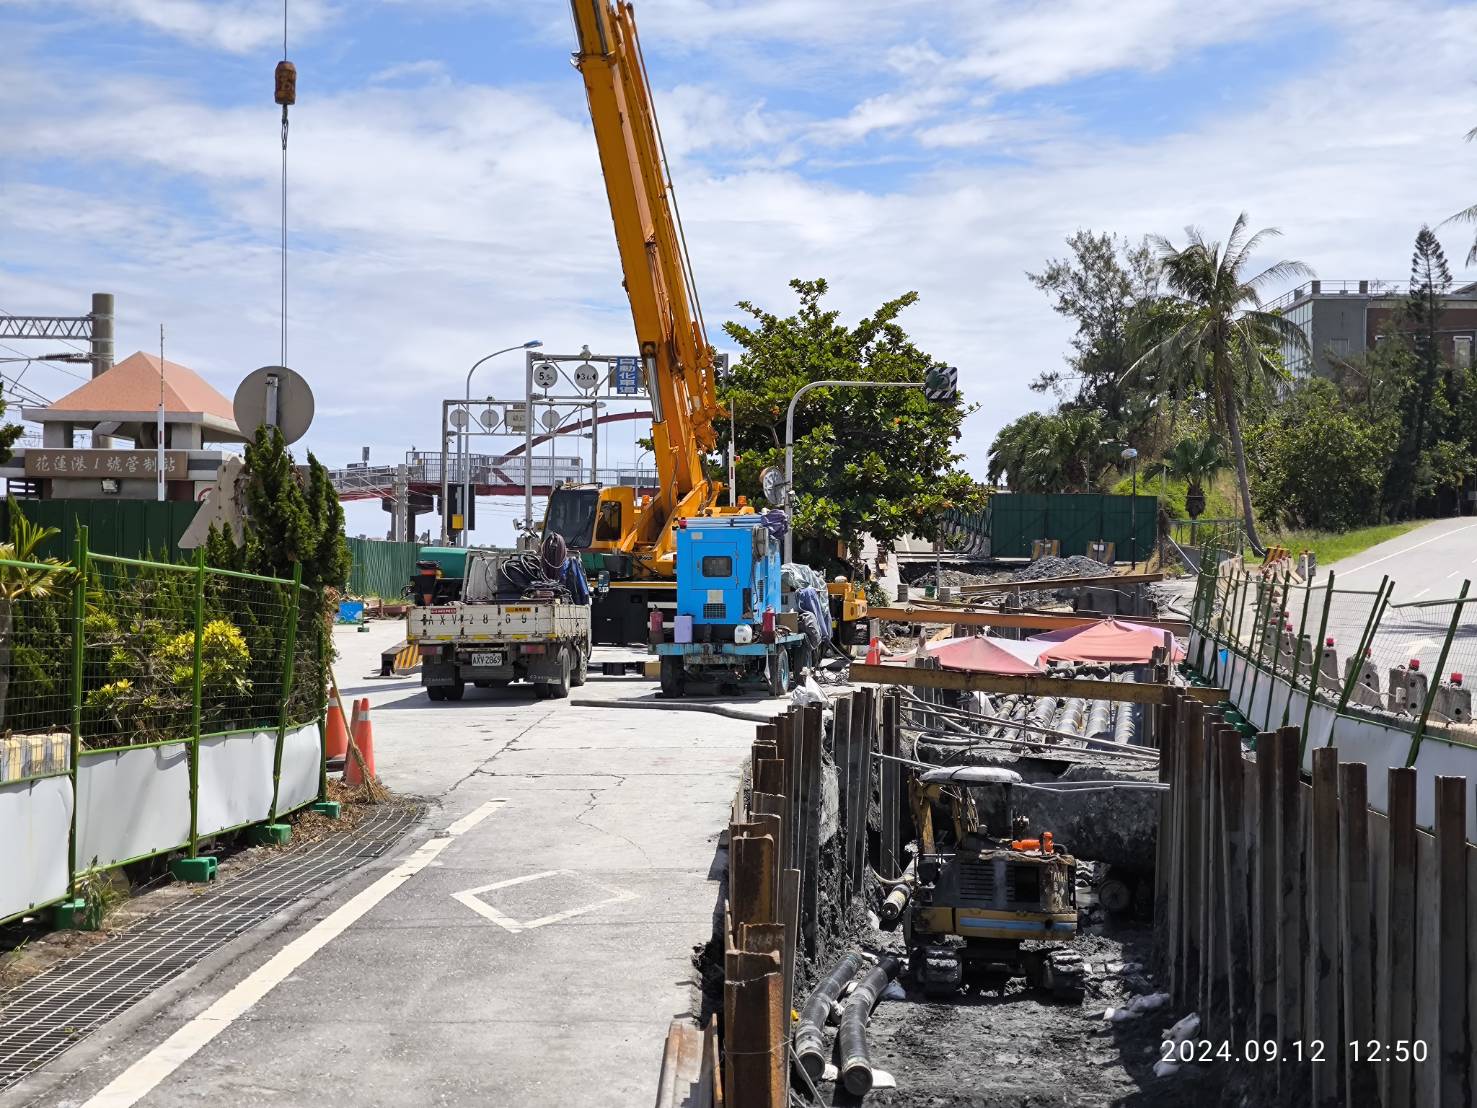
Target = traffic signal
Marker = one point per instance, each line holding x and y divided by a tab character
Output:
941	385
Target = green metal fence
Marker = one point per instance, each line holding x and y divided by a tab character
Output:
381	568
123	528
1343	647
1016	520
147	706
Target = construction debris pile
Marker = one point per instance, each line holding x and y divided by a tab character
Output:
1042	569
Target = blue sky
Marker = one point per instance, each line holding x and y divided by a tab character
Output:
446	198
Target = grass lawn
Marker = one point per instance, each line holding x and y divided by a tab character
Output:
1330	546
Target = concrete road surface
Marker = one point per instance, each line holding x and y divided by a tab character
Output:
533	956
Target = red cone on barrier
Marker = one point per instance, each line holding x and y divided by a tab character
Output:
364	742
874	652
337	738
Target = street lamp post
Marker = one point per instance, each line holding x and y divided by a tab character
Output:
790	439
1131	456
466	450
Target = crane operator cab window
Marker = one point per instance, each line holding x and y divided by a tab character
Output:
608	525
571	515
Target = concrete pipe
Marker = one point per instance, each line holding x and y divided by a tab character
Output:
810	1036
851	1038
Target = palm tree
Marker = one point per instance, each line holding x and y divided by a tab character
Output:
22	577
1220	340
1466	215
1195	462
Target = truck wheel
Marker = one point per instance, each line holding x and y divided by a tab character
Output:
454	692
436	692
581	665
779	672
559	688
674	677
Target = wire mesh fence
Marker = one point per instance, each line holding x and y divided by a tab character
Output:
135	652
1358	649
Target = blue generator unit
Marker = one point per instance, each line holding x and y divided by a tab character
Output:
726	628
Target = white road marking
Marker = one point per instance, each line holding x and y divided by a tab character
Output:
141	1078
1408	549
1415	646
1420	594
472	899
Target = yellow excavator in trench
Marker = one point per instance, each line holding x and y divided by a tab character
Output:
628	544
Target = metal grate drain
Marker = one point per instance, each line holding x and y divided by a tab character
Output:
57	1009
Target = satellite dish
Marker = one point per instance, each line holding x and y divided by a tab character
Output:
550	419
772	481
459	418
488	418
586	376
545	375
277	396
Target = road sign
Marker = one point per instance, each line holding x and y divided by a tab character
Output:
942	384
459	418
628	376
550	419
545	375
274	395
516	419
586	376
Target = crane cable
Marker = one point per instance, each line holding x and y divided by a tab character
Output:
286	95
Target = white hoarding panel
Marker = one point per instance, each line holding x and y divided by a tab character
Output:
131	803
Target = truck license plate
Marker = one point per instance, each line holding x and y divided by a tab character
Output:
488	658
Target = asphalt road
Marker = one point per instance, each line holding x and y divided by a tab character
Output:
1427	567
533	956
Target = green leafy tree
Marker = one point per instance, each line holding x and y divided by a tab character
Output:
329	563
23	587
1197	462
1317	464
1426	402
878	461
1103	286
1221	341
1050	452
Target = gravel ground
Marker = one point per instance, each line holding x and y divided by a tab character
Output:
1024	1050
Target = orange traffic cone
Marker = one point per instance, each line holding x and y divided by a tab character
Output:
874	652
364	743
337	739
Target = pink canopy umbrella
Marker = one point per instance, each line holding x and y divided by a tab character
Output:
1110	642
980	655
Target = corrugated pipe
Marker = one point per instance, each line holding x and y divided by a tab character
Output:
1125	728
1100	719
851	1039
810	1035
893	904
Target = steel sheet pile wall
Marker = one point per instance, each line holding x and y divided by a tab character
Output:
1327	947
774	899
173	702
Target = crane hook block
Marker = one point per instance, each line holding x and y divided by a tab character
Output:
286	83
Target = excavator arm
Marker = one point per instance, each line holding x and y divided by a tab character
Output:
664	305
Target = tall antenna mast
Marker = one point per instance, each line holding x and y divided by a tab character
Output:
159	424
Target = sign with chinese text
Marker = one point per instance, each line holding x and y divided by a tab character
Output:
627	376
123	464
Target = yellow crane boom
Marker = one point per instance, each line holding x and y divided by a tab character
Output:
664	305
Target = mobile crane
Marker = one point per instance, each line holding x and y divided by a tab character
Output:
628	544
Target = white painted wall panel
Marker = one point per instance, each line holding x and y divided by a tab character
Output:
301	766
132	802
35	826
235	780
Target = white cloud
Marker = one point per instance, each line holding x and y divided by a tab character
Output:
237	26
433	223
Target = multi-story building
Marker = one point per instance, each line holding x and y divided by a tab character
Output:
1342	319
